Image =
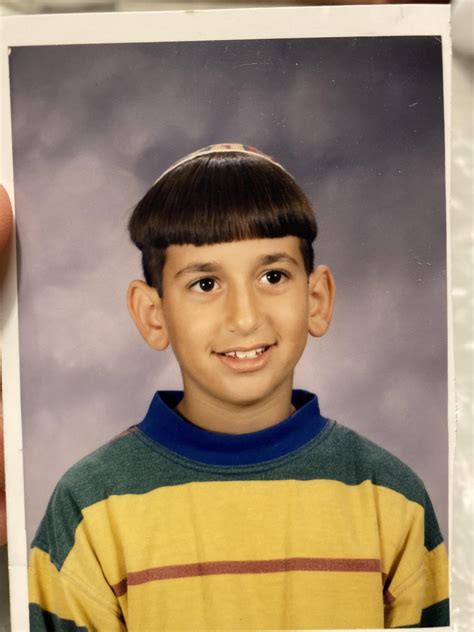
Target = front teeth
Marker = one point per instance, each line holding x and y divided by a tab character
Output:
241	355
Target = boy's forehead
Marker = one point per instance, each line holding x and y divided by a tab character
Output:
236	253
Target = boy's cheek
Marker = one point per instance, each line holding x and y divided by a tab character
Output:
189	336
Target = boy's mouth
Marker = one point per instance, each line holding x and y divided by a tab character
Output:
242	359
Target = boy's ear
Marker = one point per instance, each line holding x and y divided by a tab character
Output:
321	295
144	305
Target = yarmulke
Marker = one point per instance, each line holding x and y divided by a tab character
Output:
221	148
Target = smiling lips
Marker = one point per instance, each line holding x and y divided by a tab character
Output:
246	359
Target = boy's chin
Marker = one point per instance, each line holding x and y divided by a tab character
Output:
246	395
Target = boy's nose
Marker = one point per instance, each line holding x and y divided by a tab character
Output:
242	312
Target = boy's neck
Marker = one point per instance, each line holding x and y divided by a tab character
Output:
219	416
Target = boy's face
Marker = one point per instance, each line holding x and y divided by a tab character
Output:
236	315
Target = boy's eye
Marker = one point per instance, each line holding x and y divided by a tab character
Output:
204	285
272	277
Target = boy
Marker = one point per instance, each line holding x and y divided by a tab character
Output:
235	504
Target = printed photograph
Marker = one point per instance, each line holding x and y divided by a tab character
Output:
262	223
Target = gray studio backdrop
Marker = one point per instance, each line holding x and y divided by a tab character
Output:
358	121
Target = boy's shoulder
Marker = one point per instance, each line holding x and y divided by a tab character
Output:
91	479
123	465
362	459
118	452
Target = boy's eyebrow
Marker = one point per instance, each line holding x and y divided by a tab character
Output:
213	266
277	257
208	266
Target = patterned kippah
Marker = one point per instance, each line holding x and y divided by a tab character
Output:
221	148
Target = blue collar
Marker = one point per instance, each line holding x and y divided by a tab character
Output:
163	425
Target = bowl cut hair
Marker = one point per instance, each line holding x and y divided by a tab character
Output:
220	197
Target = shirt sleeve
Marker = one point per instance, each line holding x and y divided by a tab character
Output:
60	602
421	598
68	590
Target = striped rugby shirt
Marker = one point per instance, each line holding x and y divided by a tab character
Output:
303	525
